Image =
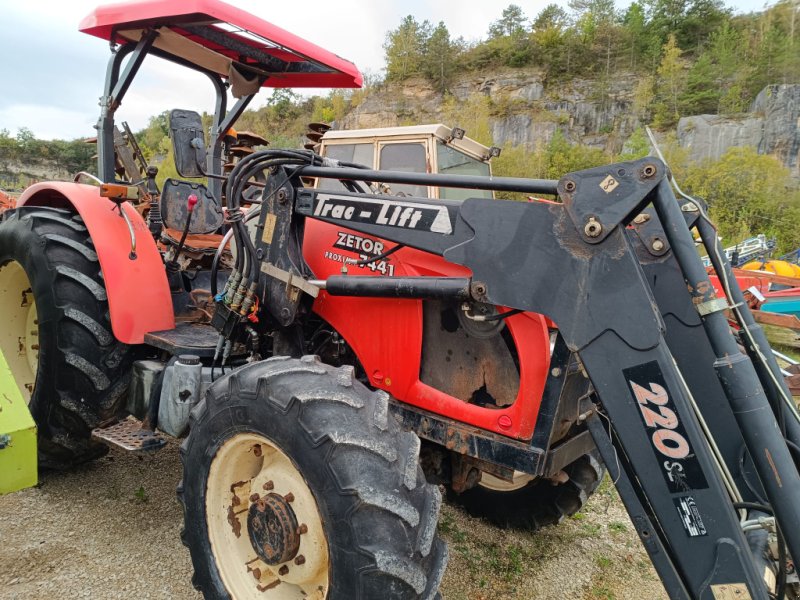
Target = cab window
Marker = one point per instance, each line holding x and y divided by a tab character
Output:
408	158
452	162
355	153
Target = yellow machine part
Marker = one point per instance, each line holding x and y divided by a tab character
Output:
18	466
779	267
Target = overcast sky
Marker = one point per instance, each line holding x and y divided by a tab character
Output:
52	74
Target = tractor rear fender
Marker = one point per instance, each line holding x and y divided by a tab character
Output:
138	294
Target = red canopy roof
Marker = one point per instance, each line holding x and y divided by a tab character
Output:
215	36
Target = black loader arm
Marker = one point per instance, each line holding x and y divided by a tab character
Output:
579	263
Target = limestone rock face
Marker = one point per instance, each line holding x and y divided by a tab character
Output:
527	110
780	107
772	126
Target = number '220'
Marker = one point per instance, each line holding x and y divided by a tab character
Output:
663	419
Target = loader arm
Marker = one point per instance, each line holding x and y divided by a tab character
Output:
575	263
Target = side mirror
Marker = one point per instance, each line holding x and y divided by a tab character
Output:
188	143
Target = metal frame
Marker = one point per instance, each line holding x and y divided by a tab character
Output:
117	84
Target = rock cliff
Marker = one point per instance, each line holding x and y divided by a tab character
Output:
772	125
527	110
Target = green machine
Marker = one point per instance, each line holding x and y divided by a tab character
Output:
17	436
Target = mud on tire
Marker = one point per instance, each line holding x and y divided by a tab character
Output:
539	503
83	371
378	514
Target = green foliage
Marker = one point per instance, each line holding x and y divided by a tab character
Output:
637	146
670	80
748	193
438	62
707	60
71	156
404	48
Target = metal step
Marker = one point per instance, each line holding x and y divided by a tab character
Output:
129	435
187	338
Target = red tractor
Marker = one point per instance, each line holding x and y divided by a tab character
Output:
336	344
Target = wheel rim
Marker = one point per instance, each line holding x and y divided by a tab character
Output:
250	476
491	482
19	334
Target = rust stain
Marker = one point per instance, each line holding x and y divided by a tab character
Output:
774	468
269	586
236	526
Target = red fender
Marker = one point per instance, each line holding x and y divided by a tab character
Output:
138	293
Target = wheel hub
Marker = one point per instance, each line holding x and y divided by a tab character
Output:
273	529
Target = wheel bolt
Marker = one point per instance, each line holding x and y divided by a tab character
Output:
300	560
283	570
302	529
269	485
289	497
254	497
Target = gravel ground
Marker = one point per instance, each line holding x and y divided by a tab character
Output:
111	530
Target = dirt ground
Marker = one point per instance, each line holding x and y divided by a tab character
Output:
111	530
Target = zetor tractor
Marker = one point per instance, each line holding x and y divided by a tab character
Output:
337	343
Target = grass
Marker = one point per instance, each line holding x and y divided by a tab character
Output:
140	495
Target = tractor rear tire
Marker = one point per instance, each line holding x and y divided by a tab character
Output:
304	443
539	502
80	377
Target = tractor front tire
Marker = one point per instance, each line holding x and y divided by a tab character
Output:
56	334
298	483
532	504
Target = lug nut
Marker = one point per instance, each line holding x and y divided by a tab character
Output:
257	449
269	486
302	529
289	497
254	497
257	573
300	560
283	570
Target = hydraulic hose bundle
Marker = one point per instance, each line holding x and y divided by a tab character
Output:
239	295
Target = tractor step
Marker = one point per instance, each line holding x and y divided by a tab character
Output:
129	435
187	338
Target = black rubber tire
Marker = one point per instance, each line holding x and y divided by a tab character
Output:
539	503
83	370
380	514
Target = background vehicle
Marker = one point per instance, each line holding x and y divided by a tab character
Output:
366	339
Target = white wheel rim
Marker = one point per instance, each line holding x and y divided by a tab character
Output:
19	333
491	482
237	474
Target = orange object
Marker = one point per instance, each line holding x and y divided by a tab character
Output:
138	293
779	267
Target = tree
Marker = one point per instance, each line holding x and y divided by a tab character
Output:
701	96
552	17
637	38
511	23
596	22
548	36
404	47
439	58
669	84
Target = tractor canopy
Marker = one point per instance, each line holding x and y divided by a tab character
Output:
224	40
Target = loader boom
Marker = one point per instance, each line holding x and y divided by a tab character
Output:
667	470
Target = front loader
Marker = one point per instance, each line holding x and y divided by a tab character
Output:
339	344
